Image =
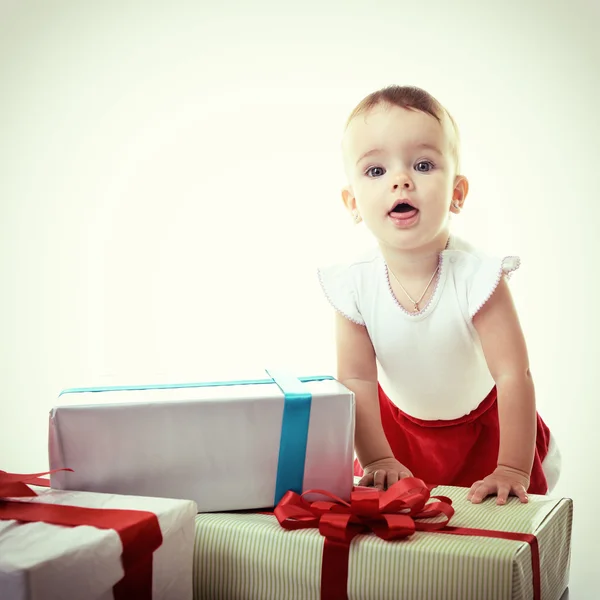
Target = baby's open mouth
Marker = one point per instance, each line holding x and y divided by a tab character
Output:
403	213
402	208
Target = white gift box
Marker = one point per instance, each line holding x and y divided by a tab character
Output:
225	445
39	561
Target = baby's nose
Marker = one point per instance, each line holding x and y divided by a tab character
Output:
404	184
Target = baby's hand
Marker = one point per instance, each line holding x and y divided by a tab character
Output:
384	473
503	482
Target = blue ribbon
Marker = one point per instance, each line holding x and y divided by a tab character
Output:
297	402
176	386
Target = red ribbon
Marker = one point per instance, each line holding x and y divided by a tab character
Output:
139	530
14	485
390	515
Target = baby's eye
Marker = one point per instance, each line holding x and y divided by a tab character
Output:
375	172
424	166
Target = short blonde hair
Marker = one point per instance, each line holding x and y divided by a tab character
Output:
411	98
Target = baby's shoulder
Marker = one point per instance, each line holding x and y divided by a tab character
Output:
475	272
465	259
462	259
343	282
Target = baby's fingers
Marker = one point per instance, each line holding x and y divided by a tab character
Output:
366	480
521	493
392	478
472	490
503	493
479	491
379	479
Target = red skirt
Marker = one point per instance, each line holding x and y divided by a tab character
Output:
454	452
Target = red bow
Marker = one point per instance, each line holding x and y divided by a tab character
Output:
390	515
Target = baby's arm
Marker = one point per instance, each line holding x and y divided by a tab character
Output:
505	351
357	370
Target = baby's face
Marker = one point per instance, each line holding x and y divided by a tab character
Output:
396	156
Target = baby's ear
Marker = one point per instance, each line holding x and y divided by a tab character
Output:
460	192
348	198
350	203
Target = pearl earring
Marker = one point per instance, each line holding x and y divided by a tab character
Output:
356	216
456	205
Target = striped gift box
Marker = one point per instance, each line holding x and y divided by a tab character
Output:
250	556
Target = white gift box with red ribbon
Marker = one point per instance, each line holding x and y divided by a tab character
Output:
132	547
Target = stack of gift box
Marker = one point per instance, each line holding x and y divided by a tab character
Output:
245	490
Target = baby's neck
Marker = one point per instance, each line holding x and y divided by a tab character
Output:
415	263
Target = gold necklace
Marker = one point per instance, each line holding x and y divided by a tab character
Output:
415	302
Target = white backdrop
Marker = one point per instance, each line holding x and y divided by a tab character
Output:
170	175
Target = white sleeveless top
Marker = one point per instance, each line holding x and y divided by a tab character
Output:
430	363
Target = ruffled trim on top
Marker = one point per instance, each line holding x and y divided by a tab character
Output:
338	288
488	278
